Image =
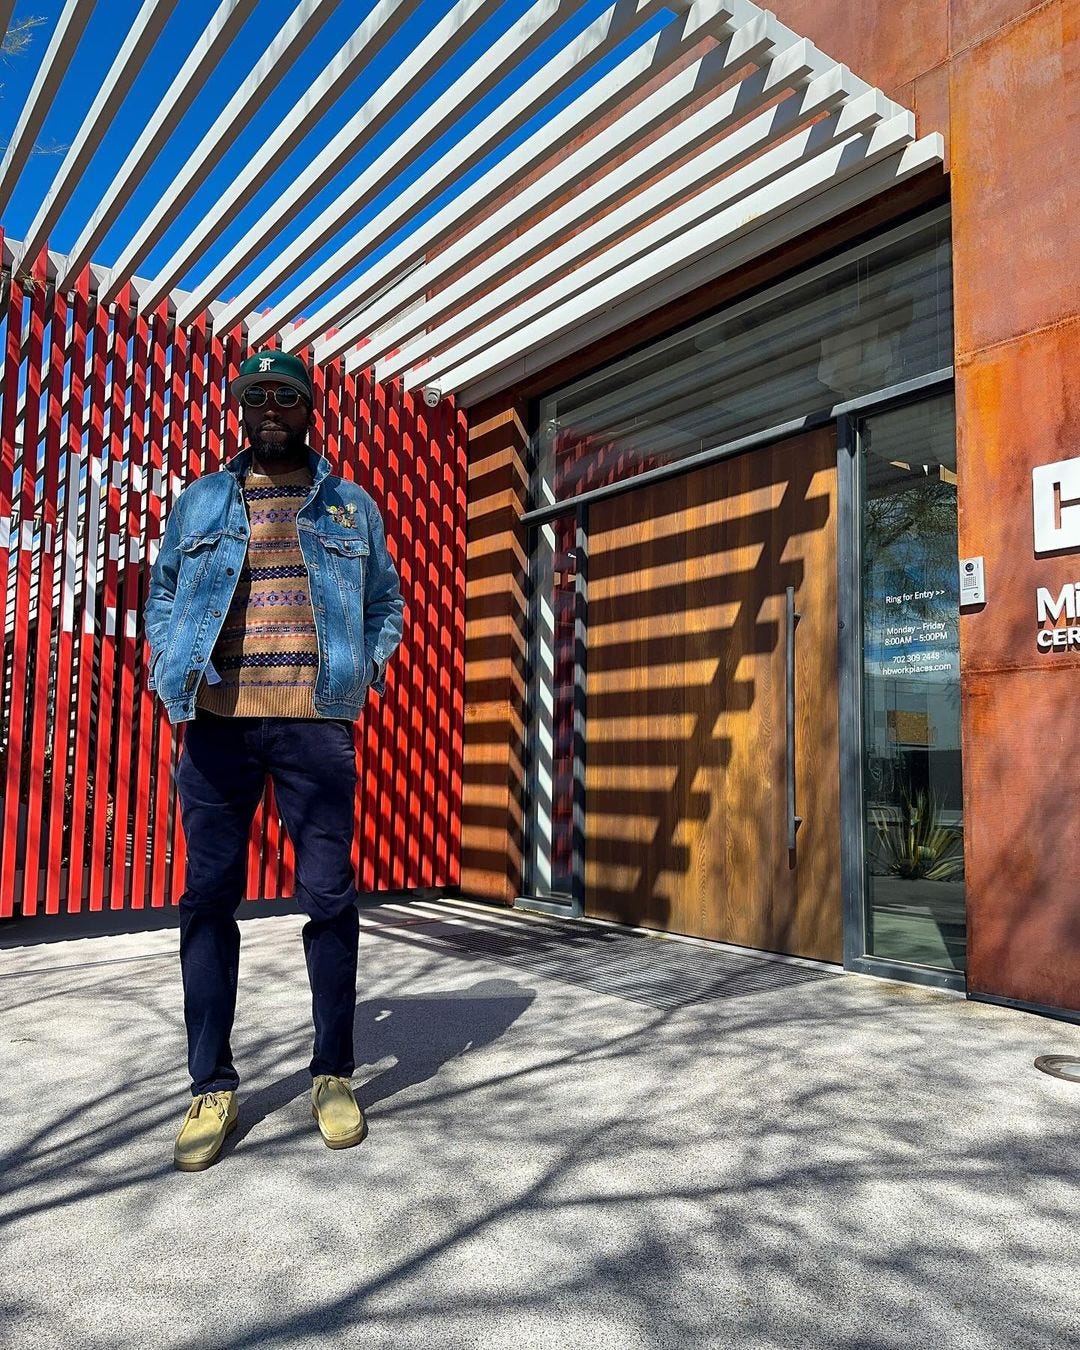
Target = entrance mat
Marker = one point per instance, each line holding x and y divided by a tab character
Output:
655	972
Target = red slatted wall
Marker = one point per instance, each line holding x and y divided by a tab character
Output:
104	416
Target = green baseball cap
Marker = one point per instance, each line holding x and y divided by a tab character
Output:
282	367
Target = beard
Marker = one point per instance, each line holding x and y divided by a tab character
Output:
279	452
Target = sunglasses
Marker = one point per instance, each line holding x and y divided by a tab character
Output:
284	396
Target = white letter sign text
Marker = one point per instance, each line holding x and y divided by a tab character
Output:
1055	495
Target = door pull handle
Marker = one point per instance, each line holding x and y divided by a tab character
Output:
794	820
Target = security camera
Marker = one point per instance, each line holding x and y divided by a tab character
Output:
432	395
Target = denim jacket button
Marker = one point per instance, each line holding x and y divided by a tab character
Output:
228	571
215	613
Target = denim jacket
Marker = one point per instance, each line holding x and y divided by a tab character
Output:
353	586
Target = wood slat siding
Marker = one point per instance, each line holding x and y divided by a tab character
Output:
495	650
686	807
105	415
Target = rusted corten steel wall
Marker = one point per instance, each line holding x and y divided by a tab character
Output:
105	415
1017	247
998	79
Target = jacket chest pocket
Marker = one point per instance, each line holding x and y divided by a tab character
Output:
348	558
196	553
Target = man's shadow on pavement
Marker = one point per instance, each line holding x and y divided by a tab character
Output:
424	1032
420	1032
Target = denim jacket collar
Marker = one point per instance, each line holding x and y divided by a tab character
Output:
241	462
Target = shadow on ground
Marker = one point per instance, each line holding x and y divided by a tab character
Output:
419	1035
840	1163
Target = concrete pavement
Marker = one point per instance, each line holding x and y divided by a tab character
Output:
554	1160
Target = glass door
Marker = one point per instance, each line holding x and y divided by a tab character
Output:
912	818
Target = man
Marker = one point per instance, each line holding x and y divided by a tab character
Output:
273	608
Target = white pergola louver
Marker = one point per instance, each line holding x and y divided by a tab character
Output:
279	57
685	236
365	45
65	39
716	134
734	149
549	81
140	40
196	70
631	75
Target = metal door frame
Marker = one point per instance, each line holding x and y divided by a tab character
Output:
846	418
850	417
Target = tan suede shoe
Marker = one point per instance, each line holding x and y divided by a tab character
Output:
341	1122
211	1118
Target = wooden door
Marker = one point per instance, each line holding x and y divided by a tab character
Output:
686	787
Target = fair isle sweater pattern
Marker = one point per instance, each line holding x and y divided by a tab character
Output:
267	651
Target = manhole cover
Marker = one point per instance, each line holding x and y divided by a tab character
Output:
1060	1066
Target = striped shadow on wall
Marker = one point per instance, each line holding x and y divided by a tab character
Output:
105	414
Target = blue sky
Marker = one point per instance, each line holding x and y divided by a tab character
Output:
99	45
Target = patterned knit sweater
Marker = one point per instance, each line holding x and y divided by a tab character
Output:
267	653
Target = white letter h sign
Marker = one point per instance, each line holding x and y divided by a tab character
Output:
1055	495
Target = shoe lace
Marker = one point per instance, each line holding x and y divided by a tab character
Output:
212	1101
330	1082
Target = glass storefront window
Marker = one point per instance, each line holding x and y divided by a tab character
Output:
913	803
871	318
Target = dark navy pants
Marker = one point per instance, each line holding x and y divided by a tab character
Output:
220	778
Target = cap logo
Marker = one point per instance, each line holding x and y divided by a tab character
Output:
265	362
